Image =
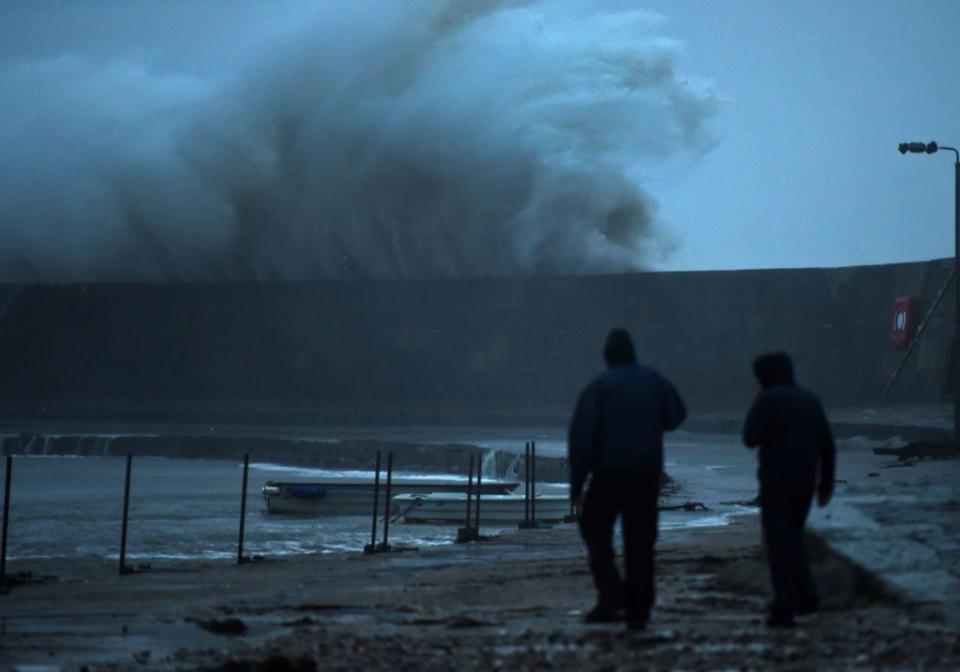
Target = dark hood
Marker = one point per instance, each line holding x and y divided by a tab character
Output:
773	368
619	348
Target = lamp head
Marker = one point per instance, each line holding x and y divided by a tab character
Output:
918	147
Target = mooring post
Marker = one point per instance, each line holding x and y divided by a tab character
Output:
243	507
476	525
386	506
372	546
123	569
533	483
6	520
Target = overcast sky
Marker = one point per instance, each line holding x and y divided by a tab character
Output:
795	165
816	96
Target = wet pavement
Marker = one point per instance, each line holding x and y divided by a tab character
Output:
899	520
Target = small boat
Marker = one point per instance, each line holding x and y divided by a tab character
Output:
354	496
495	509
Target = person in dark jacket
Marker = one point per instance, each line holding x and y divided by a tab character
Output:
797	458
616	438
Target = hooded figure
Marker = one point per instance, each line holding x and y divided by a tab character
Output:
796	458
773	369
616	439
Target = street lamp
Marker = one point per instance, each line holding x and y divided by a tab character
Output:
933	148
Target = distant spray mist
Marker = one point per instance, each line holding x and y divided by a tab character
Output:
414	139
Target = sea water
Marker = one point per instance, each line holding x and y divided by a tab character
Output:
72	507
69	507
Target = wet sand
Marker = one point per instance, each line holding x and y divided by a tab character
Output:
516	602
511	603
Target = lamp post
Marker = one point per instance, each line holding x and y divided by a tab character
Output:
933	148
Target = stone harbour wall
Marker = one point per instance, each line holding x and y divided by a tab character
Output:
437	351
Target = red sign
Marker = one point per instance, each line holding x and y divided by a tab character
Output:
906	319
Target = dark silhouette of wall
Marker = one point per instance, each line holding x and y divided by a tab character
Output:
449	349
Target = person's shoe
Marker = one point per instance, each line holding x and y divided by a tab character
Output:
604	613
780	621
636	623
808	609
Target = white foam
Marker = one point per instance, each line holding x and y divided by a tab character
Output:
349	473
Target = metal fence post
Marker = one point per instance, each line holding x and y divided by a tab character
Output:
243	507
526	483
467	532
469	492
386	506
372	546
123	569
533	483
6	520
476	525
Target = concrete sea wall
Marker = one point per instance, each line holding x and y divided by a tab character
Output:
484	350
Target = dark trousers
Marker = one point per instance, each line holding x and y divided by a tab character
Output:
633	496
783	512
